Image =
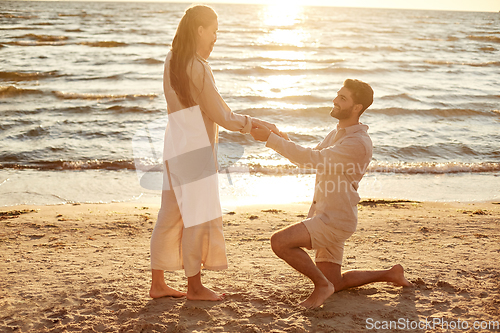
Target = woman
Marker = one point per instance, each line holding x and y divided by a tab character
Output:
187	82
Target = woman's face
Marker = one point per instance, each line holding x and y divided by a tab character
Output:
207	36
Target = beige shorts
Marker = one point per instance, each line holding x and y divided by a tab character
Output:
326	240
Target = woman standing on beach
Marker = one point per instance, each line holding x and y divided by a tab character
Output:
187	82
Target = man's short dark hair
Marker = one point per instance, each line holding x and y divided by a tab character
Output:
362	93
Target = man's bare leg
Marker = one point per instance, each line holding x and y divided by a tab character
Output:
198	292
287	244
159	288
356	278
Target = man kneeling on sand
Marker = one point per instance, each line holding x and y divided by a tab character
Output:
340	160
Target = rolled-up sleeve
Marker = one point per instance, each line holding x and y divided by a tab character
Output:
337	158
212	103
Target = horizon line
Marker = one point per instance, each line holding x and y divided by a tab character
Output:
261	2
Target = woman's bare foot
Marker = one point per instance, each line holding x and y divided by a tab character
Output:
202	294
162	290
397	276
159	288
318	296
198	292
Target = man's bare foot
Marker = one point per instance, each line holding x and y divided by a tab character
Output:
202	294
397	276
318	296
162	290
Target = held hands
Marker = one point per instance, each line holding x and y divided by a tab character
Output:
261	130
260	133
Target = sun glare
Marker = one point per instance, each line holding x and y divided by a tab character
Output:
282	14
281	20
285	40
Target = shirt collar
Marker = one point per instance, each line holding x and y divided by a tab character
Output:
354	128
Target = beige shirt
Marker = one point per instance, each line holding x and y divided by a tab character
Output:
205	94
340	160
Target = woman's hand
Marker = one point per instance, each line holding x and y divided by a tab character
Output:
284	136
258	123
261	130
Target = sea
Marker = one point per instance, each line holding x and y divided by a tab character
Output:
82	111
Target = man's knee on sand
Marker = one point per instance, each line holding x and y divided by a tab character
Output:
278	243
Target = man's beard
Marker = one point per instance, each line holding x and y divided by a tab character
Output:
341	113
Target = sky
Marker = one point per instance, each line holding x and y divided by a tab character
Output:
465	5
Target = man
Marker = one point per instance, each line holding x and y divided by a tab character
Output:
341	160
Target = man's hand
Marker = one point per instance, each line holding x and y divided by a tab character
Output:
264	129
261	133
258	123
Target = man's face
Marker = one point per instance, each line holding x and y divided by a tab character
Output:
342	104
206	39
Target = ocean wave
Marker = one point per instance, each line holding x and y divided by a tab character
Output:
36	132
444	113
284	57
292	47
28	76
39	40
323	111
23	28
387	167
43	38
74	30
473	64
115	77
310	112
433	167
290	70
493	39
71	165
149	61
271	47
485	64
410	168
488	49
11	91
289	98
14	16
399	97
133	109
51	40
103	44
89	96
36	43
115	109
154	44
81	14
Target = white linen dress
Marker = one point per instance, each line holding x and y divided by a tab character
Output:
173	246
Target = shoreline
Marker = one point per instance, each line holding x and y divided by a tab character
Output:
85	267
34	187
251	205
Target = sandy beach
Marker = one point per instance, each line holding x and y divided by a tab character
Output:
85	268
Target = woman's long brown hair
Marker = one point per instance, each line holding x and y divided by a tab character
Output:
184	49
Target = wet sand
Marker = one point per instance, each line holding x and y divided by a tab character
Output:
85	268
